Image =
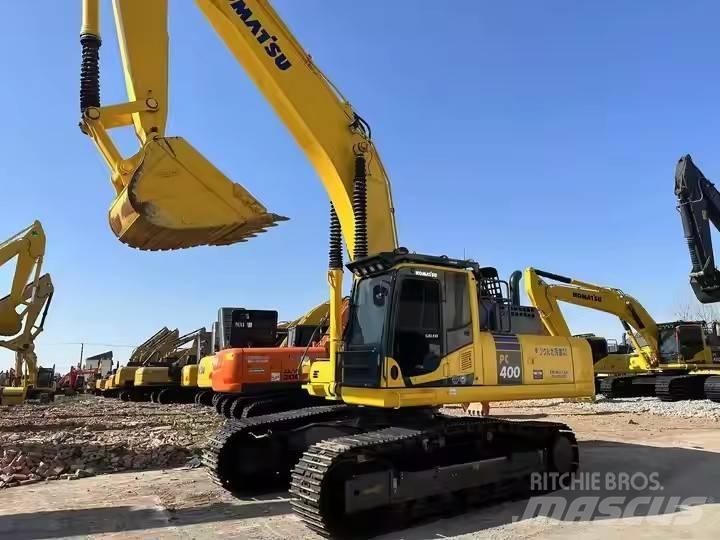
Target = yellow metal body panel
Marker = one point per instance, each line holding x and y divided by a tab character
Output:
124	375
205	369
189	376
153	376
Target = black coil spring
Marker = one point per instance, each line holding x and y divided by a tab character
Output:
694	259
90	72
335	252
359	205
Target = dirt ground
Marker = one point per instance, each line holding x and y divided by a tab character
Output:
682	453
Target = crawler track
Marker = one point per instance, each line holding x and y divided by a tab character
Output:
252	454
712	388
345	484
680	387
627	386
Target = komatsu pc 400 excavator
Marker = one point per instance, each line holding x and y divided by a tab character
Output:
672	360
28	301
422	330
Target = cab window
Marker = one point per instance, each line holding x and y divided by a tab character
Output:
417	343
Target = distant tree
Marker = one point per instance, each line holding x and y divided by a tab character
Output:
692	310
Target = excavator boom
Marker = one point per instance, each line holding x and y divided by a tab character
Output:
699	204
631	313
29	247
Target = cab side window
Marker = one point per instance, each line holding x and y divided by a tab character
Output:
457	319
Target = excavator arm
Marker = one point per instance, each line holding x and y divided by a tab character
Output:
160	347
36	298
632	314
699	205
29	247
168	195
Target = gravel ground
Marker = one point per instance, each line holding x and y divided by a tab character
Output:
641	405
182	504
83	435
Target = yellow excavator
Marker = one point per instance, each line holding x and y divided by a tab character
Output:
160	380
422	331
671	360
22	316
154	348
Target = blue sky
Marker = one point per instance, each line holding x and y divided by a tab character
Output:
517	133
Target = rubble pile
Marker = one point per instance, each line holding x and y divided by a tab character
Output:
83	436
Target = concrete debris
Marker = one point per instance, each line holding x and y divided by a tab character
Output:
83	436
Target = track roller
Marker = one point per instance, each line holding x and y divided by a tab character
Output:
166	396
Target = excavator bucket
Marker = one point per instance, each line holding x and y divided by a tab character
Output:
178	199
10	322
12	395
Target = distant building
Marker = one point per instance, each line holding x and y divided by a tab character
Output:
102	361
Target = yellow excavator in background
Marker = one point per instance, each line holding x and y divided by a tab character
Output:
123	380
160	380
672	360
422	331
22	316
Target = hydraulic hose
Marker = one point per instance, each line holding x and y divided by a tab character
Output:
335	251
359	205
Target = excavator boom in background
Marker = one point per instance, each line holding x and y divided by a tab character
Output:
22	315
673	360
699	205
29	247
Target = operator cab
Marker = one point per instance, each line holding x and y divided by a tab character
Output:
416	310
680	340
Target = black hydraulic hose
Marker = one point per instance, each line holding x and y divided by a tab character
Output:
555	277
335	252
90	71
359	205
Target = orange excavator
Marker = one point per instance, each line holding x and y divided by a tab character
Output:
258	375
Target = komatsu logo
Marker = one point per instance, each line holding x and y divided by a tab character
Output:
263	36
585	296
426	273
